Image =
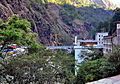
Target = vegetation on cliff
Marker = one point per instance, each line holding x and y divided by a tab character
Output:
90	18
110	25
77	3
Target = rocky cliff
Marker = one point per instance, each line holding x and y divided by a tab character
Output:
43	19
54	24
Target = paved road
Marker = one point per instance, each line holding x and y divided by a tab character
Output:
110	80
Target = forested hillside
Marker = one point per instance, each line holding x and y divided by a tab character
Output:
49	19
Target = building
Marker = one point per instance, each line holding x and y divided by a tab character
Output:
111	41
85	42
118	33
99	38
107	44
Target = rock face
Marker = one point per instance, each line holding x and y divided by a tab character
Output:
46	20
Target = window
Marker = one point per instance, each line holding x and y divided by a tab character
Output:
106	50
110	50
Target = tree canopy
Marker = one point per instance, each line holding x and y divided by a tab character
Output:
39	68
17	30
40	65
113	22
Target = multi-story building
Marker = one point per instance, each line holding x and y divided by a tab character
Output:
110	41
118	33
107	44
99	38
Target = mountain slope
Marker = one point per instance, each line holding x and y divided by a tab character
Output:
44	21
49	20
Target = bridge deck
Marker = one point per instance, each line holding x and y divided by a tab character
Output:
71	47
60	47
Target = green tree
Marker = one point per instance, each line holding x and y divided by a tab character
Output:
94	54
18	31
114	21
114	58
103	27
94	70
39	68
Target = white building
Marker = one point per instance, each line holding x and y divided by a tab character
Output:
99	38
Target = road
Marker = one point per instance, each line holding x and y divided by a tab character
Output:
110	80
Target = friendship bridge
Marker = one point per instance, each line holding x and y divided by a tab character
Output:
71	47
77	50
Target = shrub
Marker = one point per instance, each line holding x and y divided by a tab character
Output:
96	69
114	58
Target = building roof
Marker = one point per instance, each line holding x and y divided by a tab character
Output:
101	33
87	41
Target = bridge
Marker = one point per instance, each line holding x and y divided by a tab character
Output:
71	47
77	49
60	47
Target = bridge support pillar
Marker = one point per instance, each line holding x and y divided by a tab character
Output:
78	57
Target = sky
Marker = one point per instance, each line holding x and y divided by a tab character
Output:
117	2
